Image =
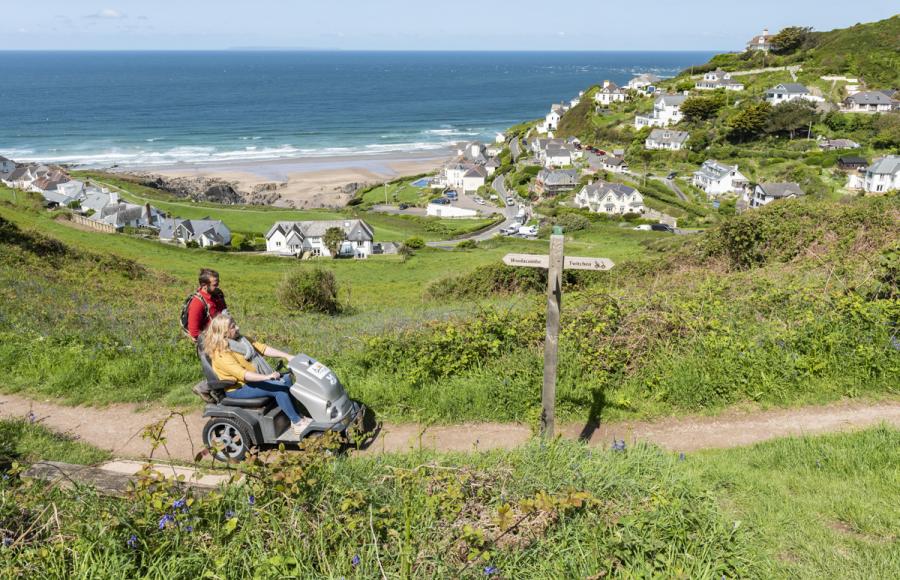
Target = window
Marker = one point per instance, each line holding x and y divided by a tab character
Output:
360	244
277	244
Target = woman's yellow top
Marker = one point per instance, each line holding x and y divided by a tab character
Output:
231	366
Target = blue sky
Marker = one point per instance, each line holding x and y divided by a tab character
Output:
415	24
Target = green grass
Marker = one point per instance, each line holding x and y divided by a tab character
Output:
807	507
27	440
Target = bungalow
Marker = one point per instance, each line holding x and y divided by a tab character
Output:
666	111
298	238
555	181
122	214
786	92
716	179
610	93
645	82
868	102
762	42
765	193
883	175
666	139
852	162
614	163
610	198
205	232
833	144
718	79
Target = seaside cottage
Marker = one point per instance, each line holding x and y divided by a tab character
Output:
551	121
765	193
666	111
868	102
717	179
307	237
645	83
718	79
761	42
614	163
786	92
7	166
555	181
666	139
610	198
556	155
852	162
883	175
205	232
474	178
610	93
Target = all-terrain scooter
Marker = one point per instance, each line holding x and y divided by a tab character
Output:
236	425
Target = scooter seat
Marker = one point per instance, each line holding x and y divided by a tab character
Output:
246	403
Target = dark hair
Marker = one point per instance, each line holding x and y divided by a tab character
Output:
206	276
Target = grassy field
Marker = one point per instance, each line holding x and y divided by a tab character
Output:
808	507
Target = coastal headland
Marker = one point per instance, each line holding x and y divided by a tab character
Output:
303	182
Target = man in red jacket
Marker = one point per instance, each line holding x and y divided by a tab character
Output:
208	303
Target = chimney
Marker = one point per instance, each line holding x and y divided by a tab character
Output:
765	32
605	84
149	215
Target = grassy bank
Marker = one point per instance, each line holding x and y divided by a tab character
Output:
804	508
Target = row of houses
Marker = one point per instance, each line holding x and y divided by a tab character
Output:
555	152
468	172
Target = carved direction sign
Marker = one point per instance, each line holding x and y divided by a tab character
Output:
575	263
527	260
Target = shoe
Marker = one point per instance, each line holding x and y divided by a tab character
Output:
300	426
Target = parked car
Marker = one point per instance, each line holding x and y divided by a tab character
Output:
510	200
510	230
478	200
643	227
662	228
441	201
451	194
528	231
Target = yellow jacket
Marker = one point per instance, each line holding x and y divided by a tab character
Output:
231	366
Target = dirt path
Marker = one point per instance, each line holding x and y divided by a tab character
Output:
117	428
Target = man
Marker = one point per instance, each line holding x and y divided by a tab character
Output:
207	303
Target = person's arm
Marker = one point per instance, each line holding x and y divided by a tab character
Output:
227	367
267	350
250	377
196	314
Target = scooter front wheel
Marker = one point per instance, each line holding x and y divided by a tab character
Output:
227	439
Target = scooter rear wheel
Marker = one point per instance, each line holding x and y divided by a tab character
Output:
227	439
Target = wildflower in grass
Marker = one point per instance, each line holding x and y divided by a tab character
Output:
7	541
251	500
188	528
490	570
30	416
229	514
355	561
681	457
618	445
132	541
165	520
179	504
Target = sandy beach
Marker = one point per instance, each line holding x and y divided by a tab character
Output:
311	182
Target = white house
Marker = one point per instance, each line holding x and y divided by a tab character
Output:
718	79
883	175
551	121
556	155
716	179
762	42
614	163
786	92
610	93
298	238
666	139
464	176
7	166
474	178
868	102
666	111
449	211
645	82
765	193
610	198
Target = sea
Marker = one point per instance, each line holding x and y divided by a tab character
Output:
145	109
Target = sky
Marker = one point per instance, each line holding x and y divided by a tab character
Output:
414	24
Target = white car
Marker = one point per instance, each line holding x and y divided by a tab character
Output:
479	201
510	230
528	231
510	200
643	227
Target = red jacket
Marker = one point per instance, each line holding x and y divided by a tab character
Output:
197	320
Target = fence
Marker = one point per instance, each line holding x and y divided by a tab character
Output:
93	224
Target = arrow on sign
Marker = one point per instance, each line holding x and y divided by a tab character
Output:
527	260
575	263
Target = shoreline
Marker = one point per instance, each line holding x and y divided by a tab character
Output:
306	182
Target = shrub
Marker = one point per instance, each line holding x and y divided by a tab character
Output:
310	291
415	243
467	245
573	222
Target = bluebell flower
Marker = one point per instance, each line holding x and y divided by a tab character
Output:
490	570
251	500
132	541
355	561
166	519
7	541
229	514
189	528
618	445
179	504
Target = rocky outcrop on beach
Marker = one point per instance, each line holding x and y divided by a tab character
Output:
213	189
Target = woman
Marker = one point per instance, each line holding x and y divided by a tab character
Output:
230	365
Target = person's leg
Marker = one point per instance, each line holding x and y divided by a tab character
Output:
275	389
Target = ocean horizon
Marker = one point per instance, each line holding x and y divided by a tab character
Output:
145	109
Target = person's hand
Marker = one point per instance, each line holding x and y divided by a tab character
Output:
288	357
275	376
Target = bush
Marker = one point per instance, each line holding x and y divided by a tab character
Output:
573	222
414	243
467	245
310	291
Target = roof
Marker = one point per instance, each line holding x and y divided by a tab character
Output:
558	176
791	88
356	230
611	160
649	77
477	171
492	162
668	136
602	188
779	190
56	197
715	170
201	227
671	100
889	165
19	172
870	98
2	159
554	150
852	160
839	144
95	200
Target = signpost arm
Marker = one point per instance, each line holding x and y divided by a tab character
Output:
551	343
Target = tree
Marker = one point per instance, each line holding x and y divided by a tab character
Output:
333	239
790	39
749	122
701	108
791	117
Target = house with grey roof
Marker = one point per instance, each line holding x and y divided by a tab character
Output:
206	232
718	79
833	144
882	175
555	181
610	198
765	193
307	237
868	102
666	111
666	139
129	215
614	163
609	93
786	92
7	166
645	82
716	179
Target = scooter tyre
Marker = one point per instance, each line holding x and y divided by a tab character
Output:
216	425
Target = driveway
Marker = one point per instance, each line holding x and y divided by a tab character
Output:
508	212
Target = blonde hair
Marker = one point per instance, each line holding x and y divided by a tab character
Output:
215	338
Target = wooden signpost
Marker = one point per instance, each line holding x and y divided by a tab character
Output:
555	263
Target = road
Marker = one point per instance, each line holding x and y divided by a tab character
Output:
509	212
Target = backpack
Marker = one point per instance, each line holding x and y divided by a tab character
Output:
186	307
